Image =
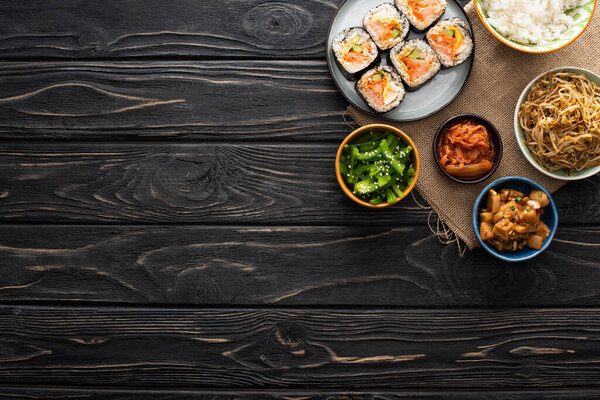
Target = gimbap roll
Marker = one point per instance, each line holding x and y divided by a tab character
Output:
451	41
386	25
354	51
422	13
415	61
381	88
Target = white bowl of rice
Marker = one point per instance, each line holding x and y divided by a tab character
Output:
536	26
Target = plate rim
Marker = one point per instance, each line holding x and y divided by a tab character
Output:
375	113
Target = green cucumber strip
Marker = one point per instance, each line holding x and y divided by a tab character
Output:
393	142
351	176
449	32
382	179
390	196
368	146
370	168
368	155
415	54
365	186
365	138
385	150
396	189
404	154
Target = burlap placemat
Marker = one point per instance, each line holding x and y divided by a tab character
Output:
498	76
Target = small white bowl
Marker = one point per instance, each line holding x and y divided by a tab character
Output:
581	14
586	173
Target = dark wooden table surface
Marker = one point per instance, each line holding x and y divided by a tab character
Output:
171	228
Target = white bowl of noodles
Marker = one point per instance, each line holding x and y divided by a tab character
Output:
557	123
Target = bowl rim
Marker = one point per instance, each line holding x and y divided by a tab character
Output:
494	132
510	44
361	130
590	171
475	218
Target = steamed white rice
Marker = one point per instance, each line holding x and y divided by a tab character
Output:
529	21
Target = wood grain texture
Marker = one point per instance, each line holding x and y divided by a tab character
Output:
181	28
216	348
154	28
208	100
327	266
305	354
183	183
116	394
204	183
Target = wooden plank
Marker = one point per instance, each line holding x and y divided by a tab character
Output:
116	394
154	28
193	100
203	183
327	266
226	348
182	183
142	28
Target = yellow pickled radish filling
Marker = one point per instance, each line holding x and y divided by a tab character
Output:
349	44
458	36
399	58
386	85
387	20
384	18
390	20
386	88
406	53
402	63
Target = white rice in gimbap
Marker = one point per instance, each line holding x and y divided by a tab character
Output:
451	41
381	88
422	13
386	25
354	50
415	61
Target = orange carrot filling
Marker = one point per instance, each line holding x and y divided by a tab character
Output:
385	29
447	41
444	43
354	57
376	90
415	67
421	9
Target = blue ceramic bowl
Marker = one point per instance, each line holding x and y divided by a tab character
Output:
550	217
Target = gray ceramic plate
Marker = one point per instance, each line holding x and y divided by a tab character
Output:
429	98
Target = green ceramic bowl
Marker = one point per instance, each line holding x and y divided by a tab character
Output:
521	137
582	15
